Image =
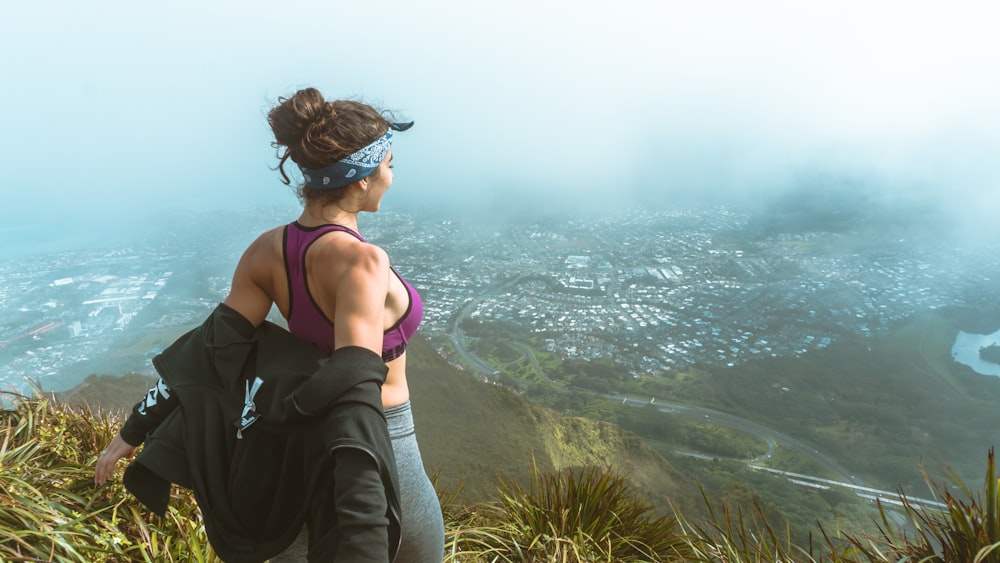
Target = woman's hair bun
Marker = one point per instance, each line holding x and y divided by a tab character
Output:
291	118
316	132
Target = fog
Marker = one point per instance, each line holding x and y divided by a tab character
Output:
115	110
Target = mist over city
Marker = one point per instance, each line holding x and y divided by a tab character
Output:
118	111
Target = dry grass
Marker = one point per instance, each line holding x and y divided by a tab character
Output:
51	511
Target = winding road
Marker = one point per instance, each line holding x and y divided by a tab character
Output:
770	436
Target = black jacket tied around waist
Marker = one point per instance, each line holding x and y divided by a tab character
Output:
253	419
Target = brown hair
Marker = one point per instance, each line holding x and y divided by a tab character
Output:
316	133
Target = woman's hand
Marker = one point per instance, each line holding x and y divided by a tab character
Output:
106	461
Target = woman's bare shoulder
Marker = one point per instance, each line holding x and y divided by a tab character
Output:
268	242
346	251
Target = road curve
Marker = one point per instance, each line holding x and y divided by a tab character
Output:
769	435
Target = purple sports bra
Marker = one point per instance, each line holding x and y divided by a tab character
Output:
307	321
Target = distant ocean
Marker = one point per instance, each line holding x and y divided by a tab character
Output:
966	351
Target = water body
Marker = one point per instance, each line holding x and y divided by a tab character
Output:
965	350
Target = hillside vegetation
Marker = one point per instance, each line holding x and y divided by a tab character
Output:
51	511
471	433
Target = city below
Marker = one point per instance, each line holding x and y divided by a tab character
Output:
654	291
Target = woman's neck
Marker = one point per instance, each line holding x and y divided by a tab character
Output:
313	216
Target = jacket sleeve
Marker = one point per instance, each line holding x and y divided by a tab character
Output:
343	372
148	413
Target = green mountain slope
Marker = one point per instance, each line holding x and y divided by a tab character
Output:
470	433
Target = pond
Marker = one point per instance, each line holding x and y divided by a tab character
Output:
965	350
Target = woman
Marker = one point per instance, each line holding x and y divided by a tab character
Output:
335	289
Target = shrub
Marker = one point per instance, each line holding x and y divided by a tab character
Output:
577	515
966	530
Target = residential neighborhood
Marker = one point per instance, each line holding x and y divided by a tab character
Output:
656	291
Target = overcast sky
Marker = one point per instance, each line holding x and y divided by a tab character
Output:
118	108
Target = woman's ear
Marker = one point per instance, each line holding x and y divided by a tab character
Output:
362	184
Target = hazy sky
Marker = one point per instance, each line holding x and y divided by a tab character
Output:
118	108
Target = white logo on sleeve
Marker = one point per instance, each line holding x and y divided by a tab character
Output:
249	415
153	396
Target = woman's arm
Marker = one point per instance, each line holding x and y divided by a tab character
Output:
247	295
359	317
360	495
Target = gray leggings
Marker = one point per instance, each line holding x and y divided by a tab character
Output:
423	525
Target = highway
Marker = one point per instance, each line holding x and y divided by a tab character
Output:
458	339
770	436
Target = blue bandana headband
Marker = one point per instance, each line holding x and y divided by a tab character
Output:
359	165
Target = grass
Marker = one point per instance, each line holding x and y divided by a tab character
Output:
586	514
51	511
